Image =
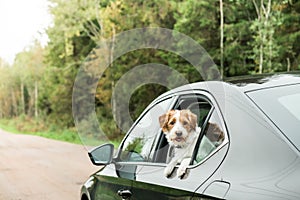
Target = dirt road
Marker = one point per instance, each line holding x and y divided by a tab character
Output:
36	168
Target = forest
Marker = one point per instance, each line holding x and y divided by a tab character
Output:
243	37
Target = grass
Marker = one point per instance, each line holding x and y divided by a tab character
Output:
23	125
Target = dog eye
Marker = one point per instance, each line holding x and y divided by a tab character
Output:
172	123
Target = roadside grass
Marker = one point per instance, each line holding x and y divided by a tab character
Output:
33	127
24	125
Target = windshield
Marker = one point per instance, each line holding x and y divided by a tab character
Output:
282	106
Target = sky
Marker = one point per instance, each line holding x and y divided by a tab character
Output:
21	22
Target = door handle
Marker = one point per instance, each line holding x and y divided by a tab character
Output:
125	194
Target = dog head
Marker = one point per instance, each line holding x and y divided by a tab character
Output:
179	126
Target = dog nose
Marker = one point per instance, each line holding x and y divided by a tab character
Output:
178	133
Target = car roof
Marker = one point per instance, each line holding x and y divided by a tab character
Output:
261	81
241	83
247	83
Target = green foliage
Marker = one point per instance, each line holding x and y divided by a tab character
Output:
259	36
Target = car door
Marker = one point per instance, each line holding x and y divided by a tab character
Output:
150	183
115	180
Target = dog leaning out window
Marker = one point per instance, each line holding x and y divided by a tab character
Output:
182	132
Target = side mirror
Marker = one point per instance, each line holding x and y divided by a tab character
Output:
102	155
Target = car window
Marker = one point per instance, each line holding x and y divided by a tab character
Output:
198	105
281	105
211	137
140	141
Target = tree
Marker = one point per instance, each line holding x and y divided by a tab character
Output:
288	35
241	36
221	38
29	68
264	27
9	92
73	35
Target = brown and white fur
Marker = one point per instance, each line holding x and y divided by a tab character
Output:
181	130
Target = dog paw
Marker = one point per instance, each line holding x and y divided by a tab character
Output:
168	171
181	172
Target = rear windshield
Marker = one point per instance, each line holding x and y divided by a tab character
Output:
282	106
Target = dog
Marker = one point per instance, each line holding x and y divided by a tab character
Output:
181	131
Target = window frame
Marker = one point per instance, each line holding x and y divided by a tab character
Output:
198	93
180	98
202	133
215	108
147	109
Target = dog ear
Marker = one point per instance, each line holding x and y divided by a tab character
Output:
163	120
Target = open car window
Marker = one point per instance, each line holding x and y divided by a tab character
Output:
139	143
147	143
198	105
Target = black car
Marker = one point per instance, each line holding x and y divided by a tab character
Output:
258	158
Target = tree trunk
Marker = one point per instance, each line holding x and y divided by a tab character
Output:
22	98
263	14
36	99
288	64
13	111
221	38
261	58
1	111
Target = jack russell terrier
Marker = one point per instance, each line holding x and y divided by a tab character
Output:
181	130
